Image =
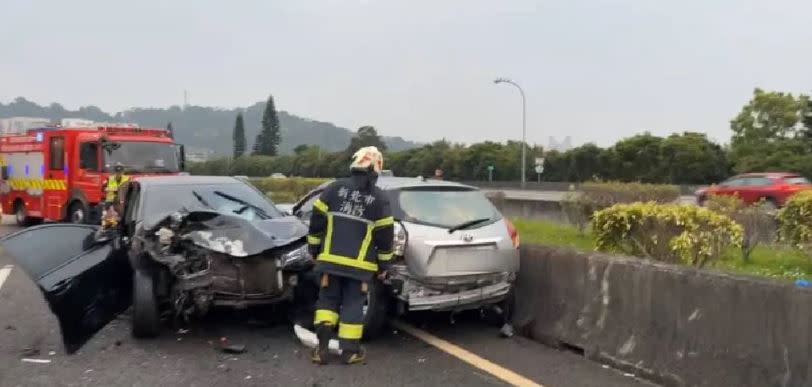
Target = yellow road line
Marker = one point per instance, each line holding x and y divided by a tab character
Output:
492	368
4	272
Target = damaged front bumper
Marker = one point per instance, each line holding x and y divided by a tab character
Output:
465	293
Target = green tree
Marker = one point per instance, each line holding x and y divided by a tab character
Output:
636	158
768	134
238	136
690	158
366	136
270	136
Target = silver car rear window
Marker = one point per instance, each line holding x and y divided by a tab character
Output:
443	207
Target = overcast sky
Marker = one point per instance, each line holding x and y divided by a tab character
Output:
594	70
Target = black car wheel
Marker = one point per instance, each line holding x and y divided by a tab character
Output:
376	310
145	320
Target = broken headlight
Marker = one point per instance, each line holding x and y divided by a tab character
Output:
297	259
401	237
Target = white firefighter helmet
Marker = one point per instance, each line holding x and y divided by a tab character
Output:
367	158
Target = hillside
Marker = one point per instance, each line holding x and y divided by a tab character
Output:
207	127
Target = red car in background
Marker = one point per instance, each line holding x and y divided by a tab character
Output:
774	187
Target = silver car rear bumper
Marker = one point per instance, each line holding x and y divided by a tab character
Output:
463	300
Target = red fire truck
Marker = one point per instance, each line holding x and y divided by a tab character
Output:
60	173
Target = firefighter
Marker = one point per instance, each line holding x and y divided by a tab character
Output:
114	182
109	214
351	231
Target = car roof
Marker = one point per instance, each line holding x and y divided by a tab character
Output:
184	180
391	183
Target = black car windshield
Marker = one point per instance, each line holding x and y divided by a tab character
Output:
235	199
142	156
444	207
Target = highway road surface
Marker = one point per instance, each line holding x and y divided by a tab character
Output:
427	350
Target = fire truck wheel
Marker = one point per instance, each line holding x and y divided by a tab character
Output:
77	212
21	215
145	319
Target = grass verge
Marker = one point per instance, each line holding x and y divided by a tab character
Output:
772	261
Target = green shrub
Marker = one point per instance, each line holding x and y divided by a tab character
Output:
282	197
296	187
579	206
795	222
724	204
605	194
665	232
578	210
757	221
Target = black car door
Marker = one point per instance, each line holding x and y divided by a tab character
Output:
86	283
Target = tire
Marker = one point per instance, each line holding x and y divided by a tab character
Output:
377	310
145	320
21	215
78	213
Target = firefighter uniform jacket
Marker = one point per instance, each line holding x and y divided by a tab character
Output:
351	229
113	183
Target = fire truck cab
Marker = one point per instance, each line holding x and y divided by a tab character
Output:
60	173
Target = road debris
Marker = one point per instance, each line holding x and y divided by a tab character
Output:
248	377
37	361
234	348
52	353
183	331
11	328
29	352
309	339
225	347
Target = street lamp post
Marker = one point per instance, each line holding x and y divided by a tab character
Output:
524	123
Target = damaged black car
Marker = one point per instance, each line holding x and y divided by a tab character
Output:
184	245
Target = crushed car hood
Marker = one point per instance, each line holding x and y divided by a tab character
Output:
233	235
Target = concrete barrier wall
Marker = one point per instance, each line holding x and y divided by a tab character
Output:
674	325
530	209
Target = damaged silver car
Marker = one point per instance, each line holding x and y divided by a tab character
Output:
454	250
185	244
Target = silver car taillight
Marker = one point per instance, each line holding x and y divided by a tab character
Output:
399	244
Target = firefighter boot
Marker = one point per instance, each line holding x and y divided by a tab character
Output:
321	354
355	356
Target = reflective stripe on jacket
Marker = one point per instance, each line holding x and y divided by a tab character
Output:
351	228
113	184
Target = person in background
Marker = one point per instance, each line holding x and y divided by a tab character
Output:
351	234
114	182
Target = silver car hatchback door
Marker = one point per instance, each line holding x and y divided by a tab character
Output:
433	252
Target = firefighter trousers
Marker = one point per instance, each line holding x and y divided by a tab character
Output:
341	302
